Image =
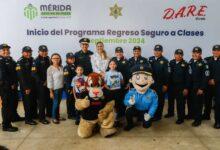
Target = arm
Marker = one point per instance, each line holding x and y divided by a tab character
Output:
50	82
154	105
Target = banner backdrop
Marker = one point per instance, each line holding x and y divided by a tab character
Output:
60	24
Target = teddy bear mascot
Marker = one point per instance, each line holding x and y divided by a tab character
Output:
95	109
141	101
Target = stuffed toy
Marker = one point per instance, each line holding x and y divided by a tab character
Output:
95	109
141	101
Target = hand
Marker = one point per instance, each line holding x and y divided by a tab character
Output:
132	100
200	92
212	82
27	92
13	87
51	95
164	89
185	92
147	117
0	102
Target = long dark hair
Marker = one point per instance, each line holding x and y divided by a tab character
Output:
51	63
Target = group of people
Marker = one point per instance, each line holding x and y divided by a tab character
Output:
42	81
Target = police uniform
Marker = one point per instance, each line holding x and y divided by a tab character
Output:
145	103
138	61
26	81
216	76
210	90
39	72
5	87
84	58
178	81
69	73
160	76
199	74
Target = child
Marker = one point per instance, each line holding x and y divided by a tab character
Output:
114	81
79	89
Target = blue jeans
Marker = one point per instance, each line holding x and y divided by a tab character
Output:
56	103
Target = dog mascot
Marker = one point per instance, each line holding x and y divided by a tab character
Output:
141	101
95	109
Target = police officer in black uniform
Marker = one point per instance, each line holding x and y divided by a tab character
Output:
5	88
26	81
39	72
137	59
178	86
199	74
210	90
215	75
83	57
69	73
159	66
123	67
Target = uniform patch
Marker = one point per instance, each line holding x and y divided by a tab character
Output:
65	73
199	64
123	62
207	73
33	68
161	62
183	65
141	61
18	68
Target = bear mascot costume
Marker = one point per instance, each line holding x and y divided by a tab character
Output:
95	110
141	101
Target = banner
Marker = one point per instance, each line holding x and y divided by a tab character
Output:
60	24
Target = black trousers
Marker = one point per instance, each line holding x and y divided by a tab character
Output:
35	96
70	104
14	103
29	105
217	103
209	96
198	101
43	100
132	112
161	99
6	109
190	104
176	93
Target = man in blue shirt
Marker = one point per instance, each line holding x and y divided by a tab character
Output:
140	101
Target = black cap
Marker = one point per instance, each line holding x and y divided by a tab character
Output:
118	49
216	48
137	48
84	41
141	69
2	46
70	55
26	49
197	50
43	48
179	51
158	47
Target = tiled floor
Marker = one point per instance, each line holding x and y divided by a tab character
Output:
164	135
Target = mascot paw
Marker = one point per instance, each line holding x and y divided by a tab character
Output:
107	132
82	103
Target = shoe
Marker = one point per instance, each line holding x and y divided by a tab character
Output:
205	117
62	119
128	127
77	122
55	121
196	123
70	117
31	122
179	121
169	115
188	117
217	125
17	119
147	125
156	119
44	121
117	124
10	129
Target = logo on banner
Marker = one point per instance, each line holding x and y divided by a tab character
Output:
197	12
48	11
30	12
115	11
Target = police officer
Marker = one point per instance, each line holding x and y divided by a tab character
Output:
5	87
210	90
137	59
122	66
69	73
159	66
178	86
39	72
26	80
199	73
83	57
215	79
